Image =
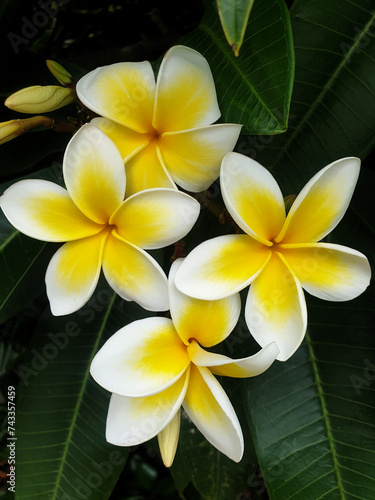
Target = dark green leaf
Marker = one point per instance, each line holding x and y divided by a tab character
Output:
61	411
332	112
234	15
255	88
18	254
312	417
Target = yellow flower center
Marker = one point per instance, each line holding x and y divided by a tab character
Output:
274	246
192	347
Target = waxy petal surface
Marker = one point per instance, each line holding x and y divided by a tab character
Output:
127	141
142	359
208	322
221	266
330	272
193	157
146	170
122	92
211	411
45	211
156	218
252	197
185	92
275	309
73	273
135	275
94	173
132	421
322	203
239	368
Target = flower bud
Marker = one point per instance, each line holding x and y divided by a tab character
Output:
13	128
168	440
60	73
10	129
40	99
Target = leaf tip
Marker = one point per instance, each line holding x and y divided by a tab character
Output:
236	49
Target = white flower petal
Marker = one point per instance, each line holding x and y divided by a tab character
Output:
143	358
330	272
45	211
185	92
122	92
322	203
133	421
252	197
221	266
239	368
207	321
73	273
156	218
134	274
275	309
193	157
211	411
94	173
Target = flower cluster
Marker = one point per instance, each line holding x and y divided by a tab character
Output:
121	173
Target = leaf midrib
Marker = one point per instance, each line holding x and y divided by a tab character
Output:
325	416
234	65
79	399
10	238
302	122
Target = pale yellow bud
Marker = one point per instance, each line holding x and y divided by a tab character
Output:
168	440
60	73
9	130
40	99
13	128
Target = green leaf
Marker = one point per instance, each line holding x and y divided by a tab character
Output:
61	411
312	417
332	113
31	151
254	89
234	15
18	256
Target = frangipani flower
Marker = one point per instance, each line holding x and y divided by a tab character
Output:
100	228
156	365
278	254
163	130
